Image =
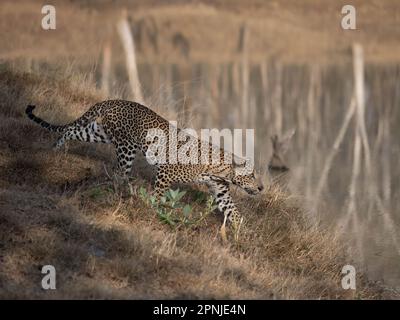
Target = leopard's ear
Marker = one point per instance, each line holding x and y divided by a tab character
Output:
238	162
243	166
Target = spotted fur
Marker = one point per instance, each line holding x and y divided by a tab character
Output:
126	124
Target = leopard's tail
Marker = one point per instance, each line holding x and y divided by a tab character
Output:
82	121
41	122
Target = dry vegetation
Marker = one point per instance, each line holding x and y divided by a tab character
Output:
60	209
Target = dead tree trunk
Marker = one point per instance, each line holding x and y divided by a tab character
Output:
243	46
128	43
329	159
359	131
277	104
106	69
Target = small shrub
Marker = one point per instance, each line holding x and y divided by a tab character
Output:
172	211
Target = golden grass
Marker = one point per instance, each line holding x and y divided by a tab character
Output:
60	209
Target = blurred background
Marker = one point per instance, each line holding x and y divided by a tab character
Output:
269	65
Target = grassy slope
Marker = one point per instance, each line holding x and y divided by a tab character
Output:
59	209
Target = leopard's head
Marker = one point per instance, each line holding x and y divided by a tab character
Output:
245	178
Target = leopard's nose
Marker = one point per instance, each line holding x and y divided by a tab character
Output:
260	188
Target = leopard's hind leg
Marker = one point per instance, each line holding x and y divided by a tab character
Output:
92	132
126	153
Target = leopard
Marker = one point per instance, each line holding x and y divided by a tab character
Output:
127	125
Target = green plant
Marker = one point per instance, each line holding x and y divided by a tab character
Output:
200	196
96	192
172	211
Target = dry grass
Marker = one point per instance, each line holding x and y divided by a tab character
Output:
59	209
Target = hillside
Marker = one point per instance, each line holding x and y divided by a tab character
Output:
60	208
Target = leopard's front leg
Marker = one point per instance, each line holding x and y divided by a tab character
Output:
163	181
220	190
